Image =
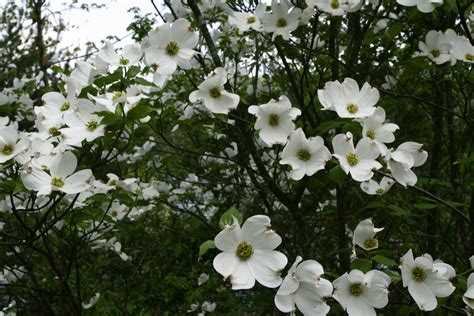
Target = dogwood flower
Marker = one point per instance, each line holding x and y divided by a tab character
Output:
373	188
364	235
280	21
304	287
359	161
211	92
336	7
244	21
83	125
438	45
468	296
131	55
248	254
171	45
10	147
347	100
275	120
425	6
60	177
360	293
463	50
426	279
380	133
400	162
305	156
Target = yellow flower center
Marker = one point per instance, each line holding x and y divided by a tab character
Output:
112	182
274	120
281	22
7	150
380	191
251	20
57	182
53	130
335	4
469	57
92	126
117	94
114	213
352	159
371	243
303	155
356	289
123	61
418	274
371	134
352	108
215	92
244	250
65	106
172	48
435	53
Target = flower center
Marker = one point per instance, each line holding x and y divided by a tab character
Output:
215	92
124	61
114	213
435	53
356	289
352	108
371	134
251	20
117	95
303	154
379	191
335	4
352	159
65	106
139	191
172	48
91	126
57	182
244	250
112	182
274	120
370	243
418	274
7	150
469	57
281	22
53	130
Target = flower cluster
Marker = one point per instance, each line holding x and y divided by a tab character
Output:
447	47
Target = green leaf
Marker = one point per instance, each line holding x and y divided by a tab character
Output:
425	206
337	175
384	260
133	71
394	276
138	112
227	217
11	186
205	246
363	265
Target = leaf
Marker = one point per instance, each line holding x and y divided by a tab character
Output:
363	265
226	218
205	246
394	276
337	175
133	71
384	260
425	206
138	112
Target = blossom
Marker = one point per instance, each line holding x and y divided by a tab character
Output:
304	287
336	7
131	55
426	279
463	50
380	133
400	162
468	296
82	125
438	45
425	6
280	21
364	235
211	92
246	20
360	293
371	187
171	45
10	147
347	100
358	161
275	120
248	254
305	156
61	176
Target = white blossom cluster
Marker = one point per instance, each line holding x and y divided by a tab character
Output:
447	47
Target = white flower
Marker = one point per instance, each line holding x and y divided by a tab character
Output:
60	177
280	21
9	144
463	50
82	125
425	6
347	100
400	162
246	20
304	287
248	254
117	211
305	156
93	300
203	278
275	120
131	55
380	133
371	187
426	279
438	45
208	307
54	108
211	92
359	161
364	235
171	45
468	297
360	293
336	7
